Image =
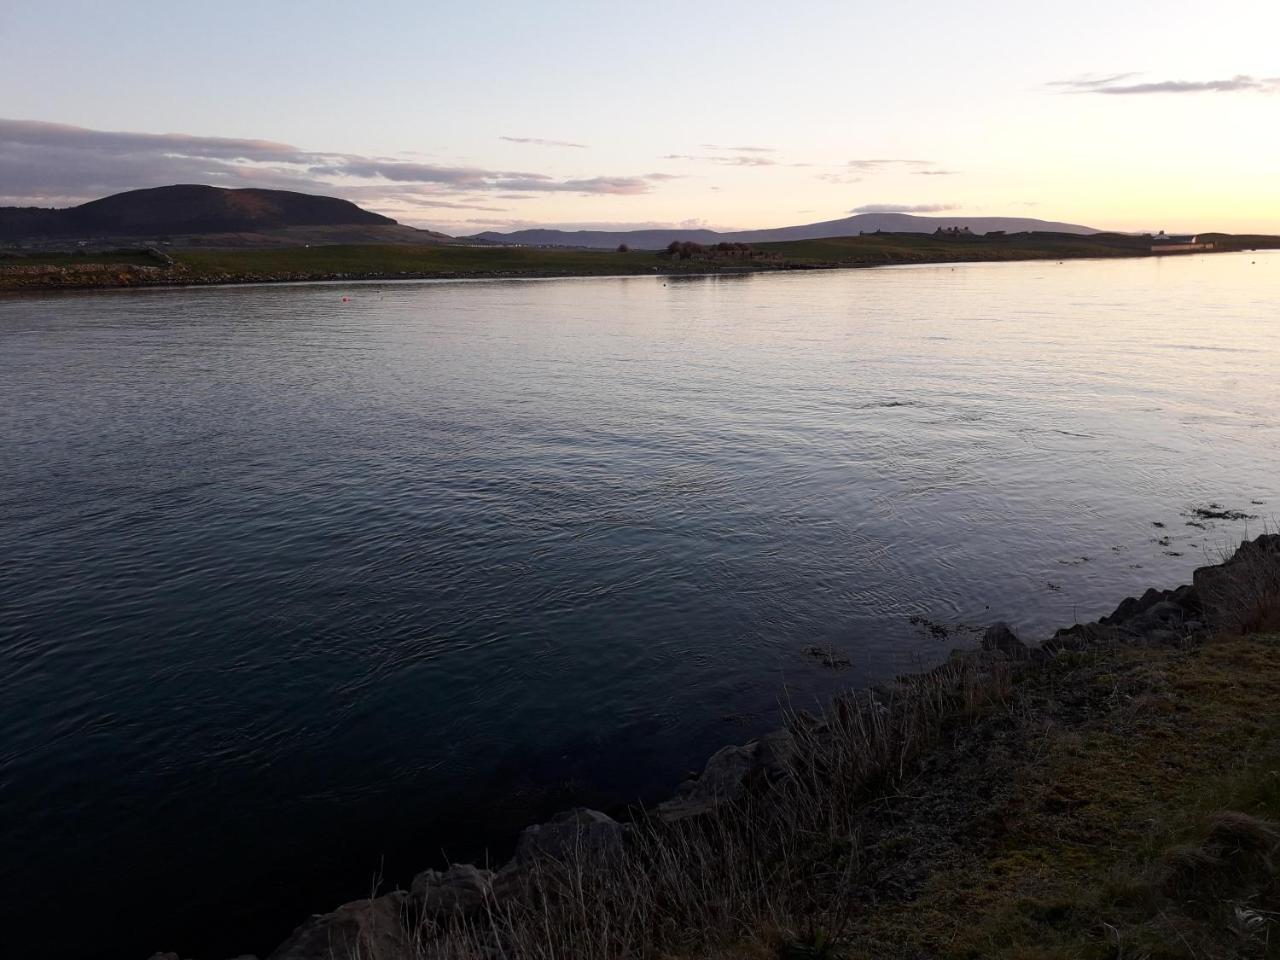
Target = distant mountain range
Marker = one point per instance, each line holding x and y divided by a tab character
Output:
192	209
847	227
217	216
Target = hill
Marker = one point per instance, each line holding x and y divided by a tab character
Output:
196	210
848	226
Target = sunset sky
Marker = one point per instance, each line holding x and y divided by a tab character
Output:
468	117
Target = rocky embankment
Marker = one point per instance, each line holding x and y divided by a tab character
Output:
1230	597
86	276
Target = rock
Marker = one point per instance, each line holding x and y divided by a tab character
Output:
460	889
730	770
1188	599
370	929
722	781
1252	572
1130	607
1001	638
774	753
1078	637
575	832
1167	611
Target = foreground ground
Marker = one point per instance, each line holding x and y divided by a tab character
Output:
1120	802
27	270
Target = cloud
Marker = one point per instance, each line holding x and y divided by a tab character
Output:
853	171
540	142
874	166
1090	80
1115	85
738	161
43	163
904	208
424	195
714	146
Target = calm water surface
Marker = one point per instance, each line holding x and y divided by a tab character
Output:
297	591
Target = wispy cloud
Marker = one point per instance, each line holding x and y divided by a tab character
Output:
716	146
854	171
904	208
873	166
540	142
935	173
1118	85
43	162
748	160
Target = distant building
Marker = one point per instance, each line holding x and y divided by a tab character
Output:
953	232
1186	243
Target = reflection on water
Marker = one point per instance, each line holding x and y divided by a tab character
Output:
294	587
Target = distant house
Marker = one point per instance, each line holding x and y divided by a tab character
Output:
953	232
1169	243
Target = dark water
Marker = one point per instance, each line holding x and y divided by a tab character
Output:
294	591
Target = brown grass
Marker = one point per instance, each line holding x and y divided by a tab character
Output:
771	872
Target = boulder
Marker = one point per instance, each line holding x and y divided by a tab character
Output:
721	781
774	754
575	832
1132	606
368	929
1000	638
1250	576
460	889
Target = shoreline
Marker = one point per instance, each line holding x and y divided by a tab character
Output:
110	276
451	901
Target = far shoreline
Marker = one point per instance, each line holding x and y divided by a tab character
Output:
112	276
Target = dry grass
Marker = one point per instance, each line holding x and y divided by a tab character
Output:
773	871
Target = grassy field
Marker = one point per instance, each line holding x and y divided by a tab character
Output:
843	251
422	261
892	248
139	258
391	261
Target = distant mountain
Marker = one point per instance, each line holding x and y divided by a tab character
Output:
186	209
849	226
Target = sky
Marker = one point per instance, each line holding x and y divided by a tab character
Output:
1126	114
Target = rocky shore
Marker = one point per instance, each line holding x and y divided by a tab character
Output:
1237	597
107	276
